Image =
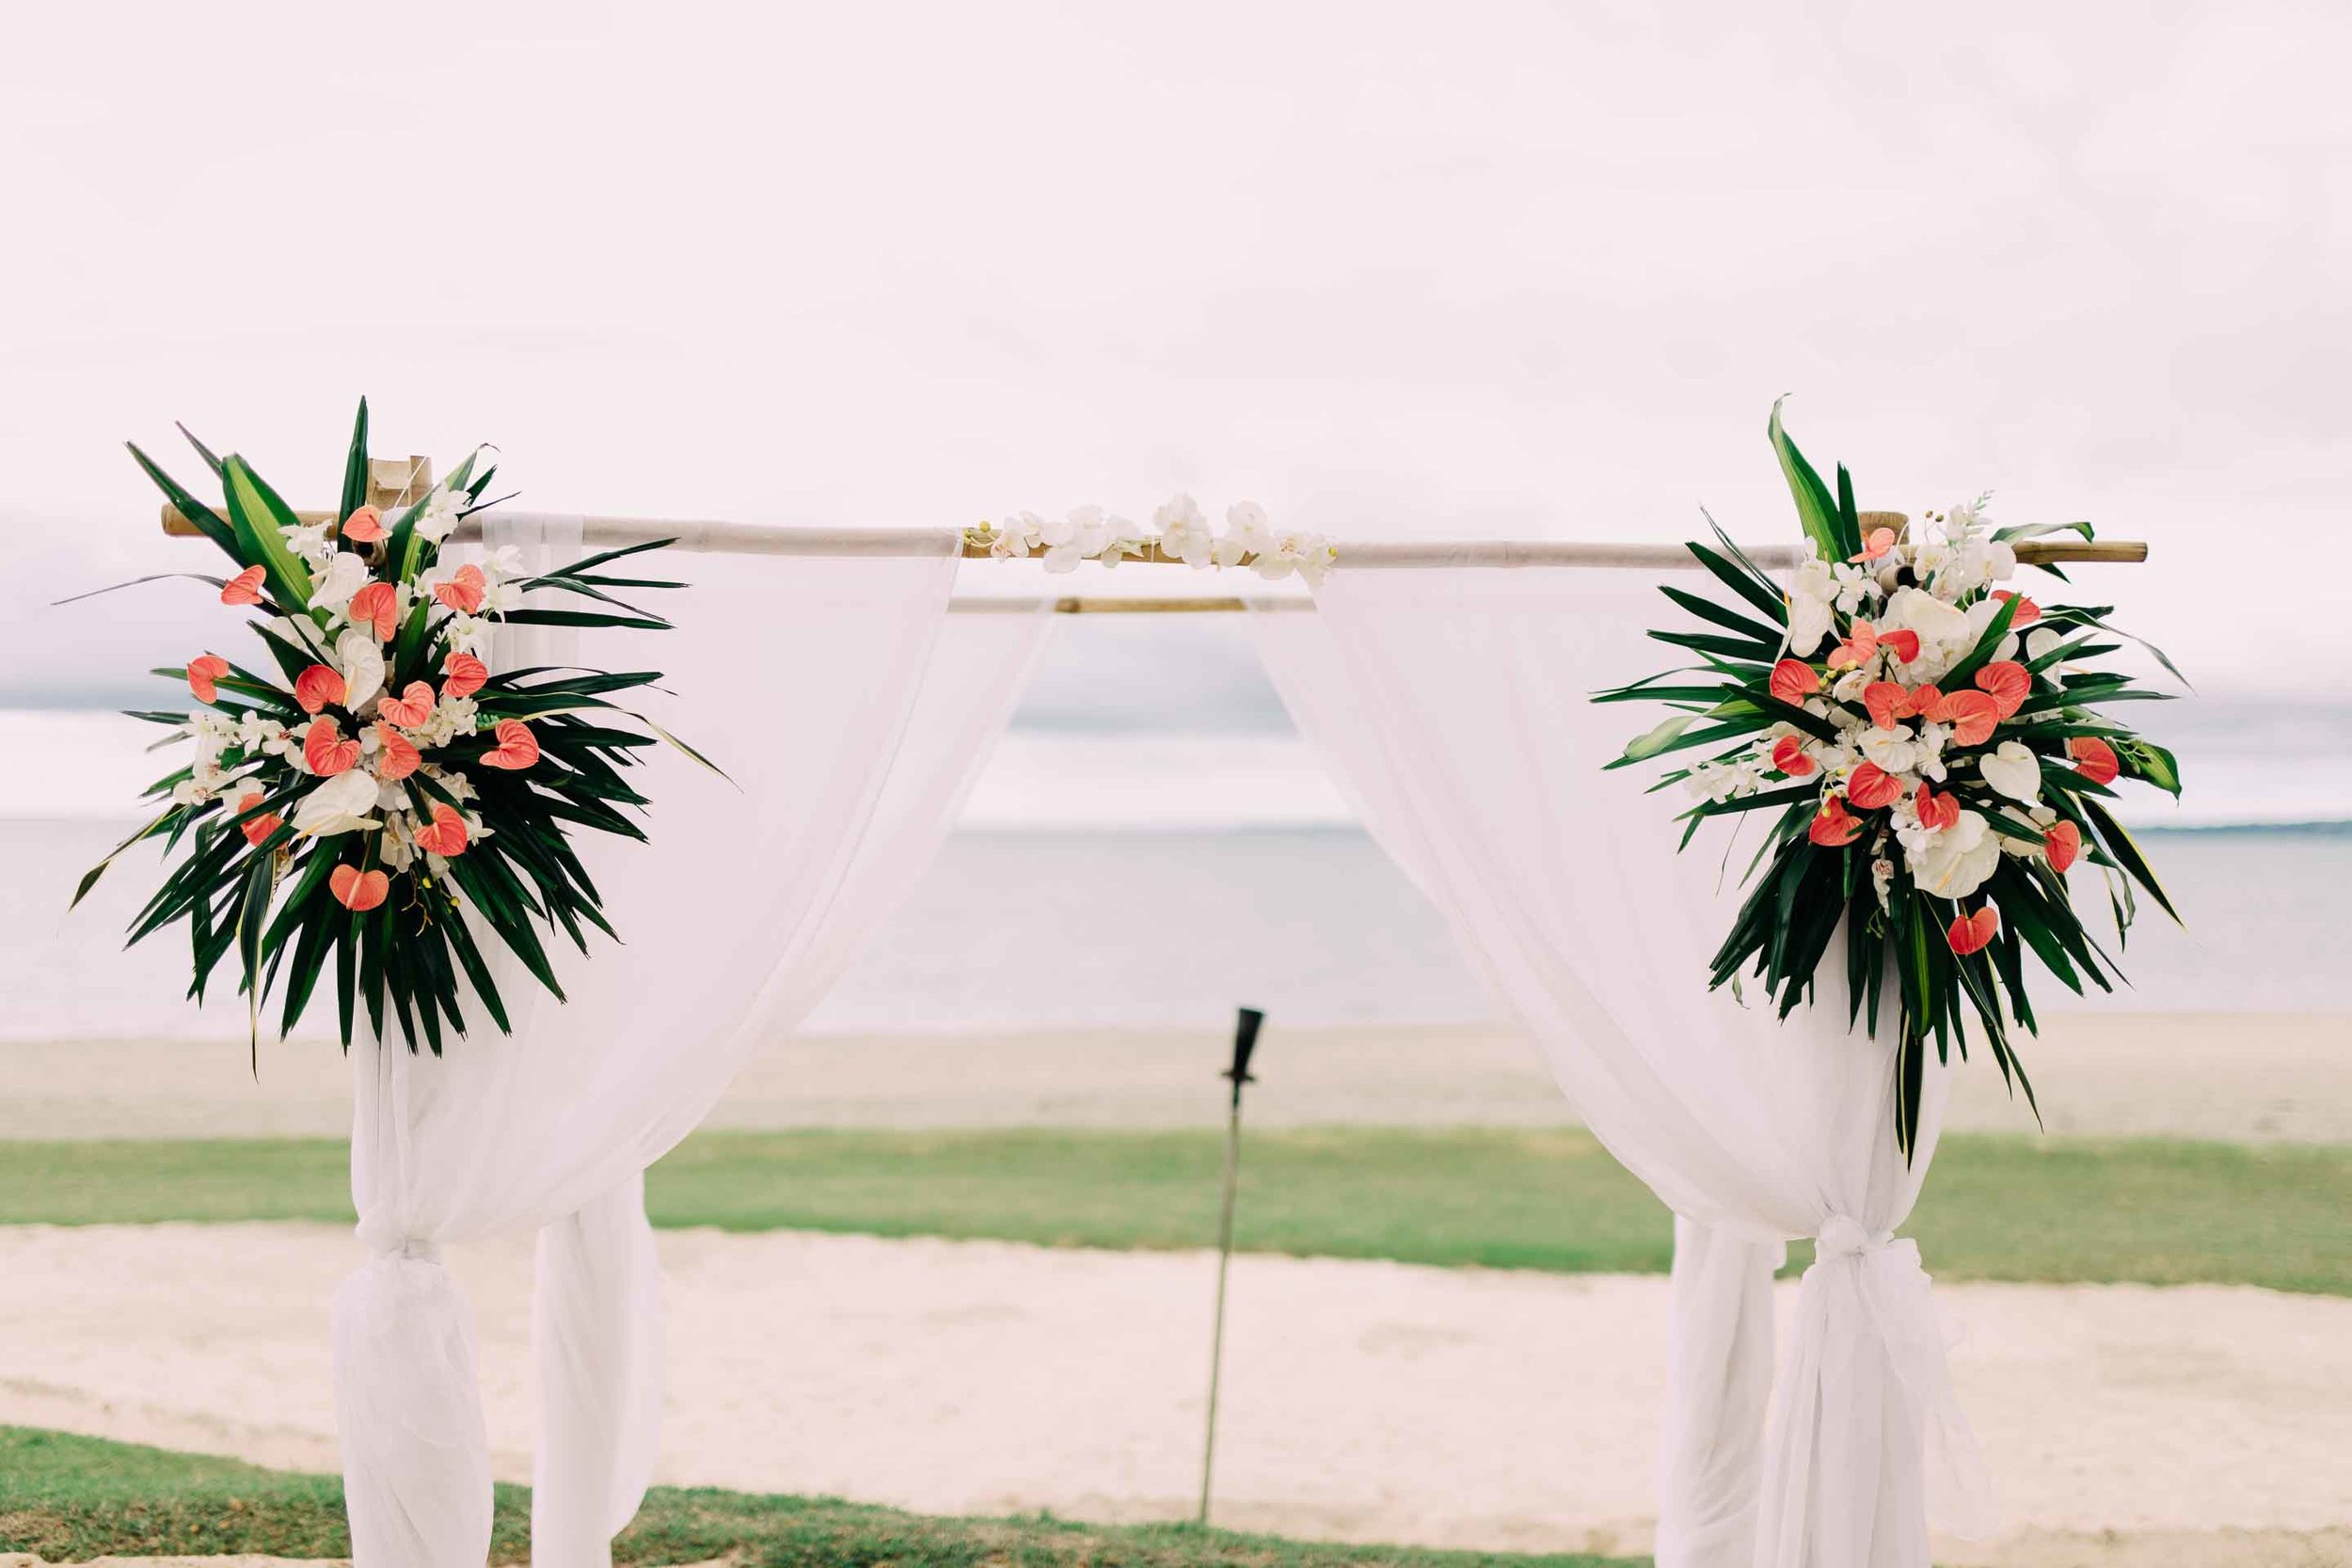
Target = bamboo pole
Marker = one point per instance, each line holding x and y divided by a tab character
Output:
758	539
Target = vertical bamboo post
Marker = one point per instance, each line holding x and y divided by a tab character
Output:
1245	1041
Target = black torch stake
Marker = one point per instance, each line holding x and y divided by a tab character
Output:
1245	1041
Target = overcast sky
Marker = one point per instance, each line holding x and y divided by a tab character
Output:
1389	269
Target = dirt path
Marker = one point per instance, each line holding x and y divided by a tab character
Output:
2127	1425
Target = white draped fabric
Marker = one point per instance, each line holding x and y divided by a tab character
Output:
851	717
1452	701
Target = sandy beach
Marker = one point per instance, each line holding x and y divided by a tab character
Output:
2239	1077
1367	1401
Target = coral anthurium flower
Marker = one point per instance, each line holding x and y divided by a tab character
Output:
1904	642
2094	757
2064	844
1971	716
1936	811
2007	683
1973	933
2027	614
1871	787
359	891
1924	703
365	525
257	830
327	752
396	756
462	676
1788	756
244	588
463	591
517	748
317	686
1859	645
376	605
1887	702
1794	680
1835	828
1881	540
445	835
409	709
203	670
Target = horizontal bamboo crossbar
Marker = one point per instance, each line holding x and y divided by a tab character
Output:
761	539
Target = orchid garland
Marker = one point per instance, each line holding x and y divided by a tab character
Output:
1933	747
385	800
1178	532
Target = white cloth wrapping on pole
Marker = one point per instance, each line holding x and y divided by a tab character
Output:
802	677
1456	704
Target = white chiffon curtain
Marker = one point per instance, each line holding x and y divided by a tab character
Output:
1452	701
851	711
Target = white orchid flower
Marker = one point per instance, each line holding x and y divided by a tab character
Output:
1184	533
2012	768
344	576
1958	860
1245	522
308	541
341	806
443	510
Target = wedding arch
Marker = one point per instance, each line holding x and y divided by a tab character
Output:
853	698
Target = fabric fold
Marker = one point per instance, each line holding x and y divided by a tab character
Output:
1456	701
818	684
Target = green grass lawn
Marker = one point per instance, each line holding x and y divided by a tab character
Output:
69	1499
2014	1207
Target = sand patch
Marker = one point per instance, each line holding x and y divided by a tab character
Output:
1365	1402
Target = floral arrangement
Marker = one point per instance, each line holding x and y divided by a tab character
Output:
1933	745
379	802
1179	532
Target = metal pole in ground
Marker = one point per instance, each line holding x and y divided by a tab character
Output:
1245	1041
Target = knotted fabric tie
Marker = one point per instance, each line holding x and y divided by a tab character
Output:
384	1239
1831	1453
1843	1237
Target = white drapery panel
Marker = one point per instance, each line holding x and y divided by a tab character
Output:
802	677
1455	702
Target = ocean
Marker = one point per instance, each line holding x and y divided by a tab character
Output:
1108	880
1154	845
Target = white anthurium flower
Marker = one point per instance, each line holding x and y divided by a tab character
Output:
1891	749
344	576
341	806
1958	860
361	660
1849	686
2042	641
1810	622
2013	770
